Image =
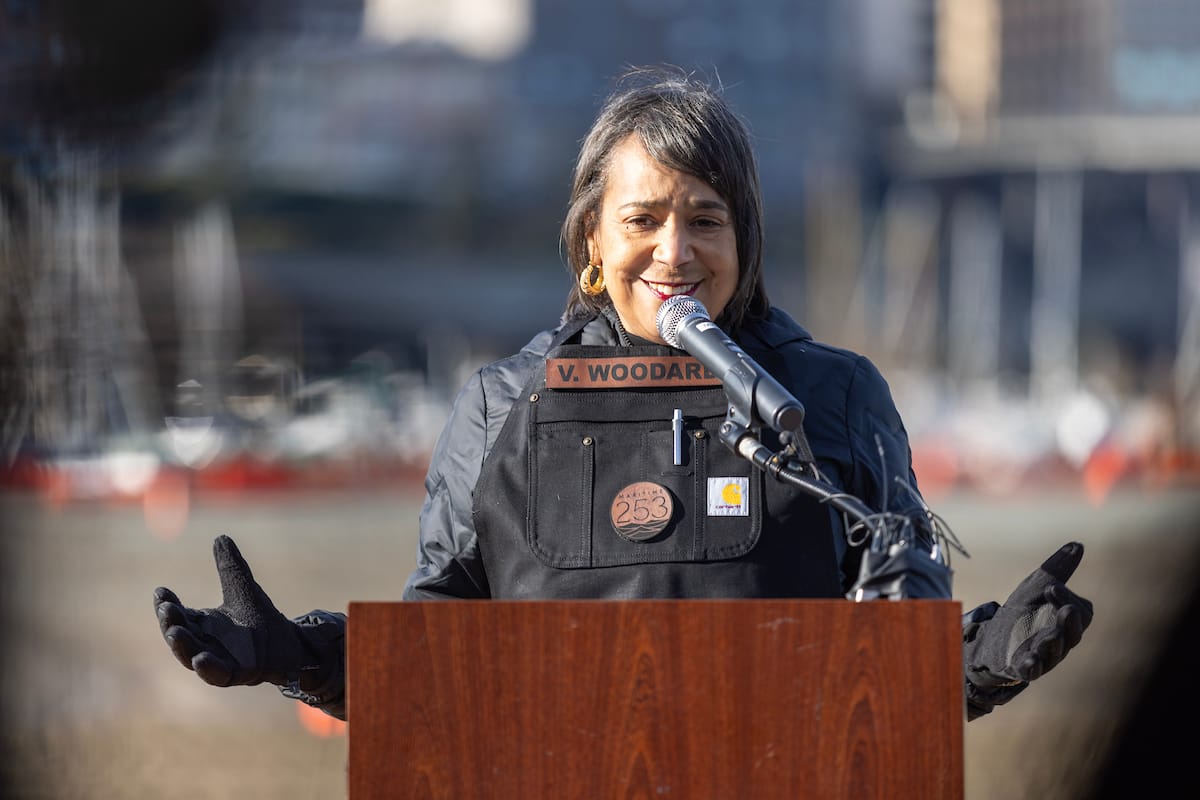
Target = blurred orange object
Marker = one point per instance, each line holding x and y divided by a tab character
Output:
318	723
1104	469
166	504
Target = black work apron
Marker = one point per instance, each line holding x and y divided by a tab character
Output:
581	495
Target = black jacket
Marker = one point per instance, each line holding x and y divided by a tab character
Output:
851	422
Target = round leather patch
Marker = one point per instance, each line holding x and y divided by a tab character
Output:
641	511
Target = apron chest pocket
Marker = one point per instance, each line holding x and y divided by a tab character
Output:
604	488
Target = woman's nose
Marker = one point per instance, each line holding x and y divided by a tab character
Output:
674	245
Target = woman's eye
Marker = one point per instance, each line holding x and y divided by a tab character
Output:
708	222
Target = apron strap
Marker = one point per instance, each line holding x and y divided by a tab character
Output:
570	329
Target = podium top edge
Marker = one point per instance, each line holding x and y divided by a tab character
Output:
691	601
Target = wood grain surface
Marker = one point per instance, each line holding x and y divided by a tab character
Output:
651	699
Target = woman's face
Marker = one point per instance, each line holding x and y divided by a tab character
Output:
661	233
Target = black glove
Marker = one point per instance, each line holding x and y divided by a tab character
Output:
247	641
1034	630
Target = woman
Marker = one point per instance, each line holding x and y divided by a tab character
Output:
560	474
665	202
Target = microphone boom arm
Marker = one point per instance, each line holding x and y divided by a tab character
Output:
903	555
781	466
880	531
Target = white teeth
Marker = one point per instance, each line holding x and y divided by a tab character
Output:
671	289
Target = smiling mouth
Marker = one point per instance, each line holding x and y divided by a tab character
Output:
665	290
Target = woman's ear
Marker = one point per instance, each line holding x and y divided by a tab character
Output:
593	250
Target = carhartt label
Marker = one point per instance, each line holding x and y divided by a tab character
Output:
729	497
627	371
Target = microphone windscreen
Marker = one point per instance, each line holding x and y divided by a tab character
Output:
675	310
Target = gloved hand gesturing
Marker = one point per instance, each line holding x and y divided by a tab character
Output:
246	640
1034	630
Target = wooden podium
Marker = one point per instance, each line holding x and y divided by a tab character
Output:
687	699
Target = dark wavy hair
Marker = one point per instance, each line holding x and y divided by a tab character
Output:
685	124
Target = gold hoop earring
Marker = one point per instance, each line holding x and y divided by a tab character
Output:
591	280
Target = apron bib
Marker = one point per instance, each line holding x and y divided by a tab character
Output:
608	480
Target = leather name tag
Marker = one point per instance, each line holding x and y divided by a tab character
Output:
627	372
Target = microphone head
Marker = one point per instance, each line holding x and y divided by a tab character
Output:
673	312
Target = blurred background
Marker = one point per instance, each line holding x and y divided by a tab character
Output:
249	252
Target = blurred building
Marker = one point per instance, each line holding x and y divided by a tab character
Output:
1054	159
995	191
418	149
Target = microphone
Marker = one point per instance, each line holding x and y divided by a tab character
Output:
683	322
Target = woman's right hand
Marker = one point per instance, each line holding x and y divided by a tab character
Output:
244	641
